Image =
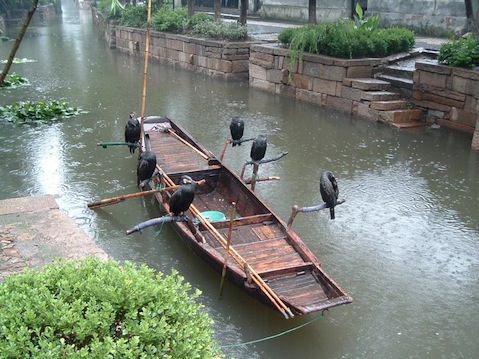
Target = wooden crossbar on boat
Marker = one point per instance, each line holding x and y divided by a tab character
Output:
270	261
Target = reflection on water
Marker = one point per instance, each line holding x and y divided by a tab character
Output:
405	244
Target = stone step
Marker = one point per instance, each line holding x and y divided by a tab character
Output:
379	96
401	116
409	124
366	84
389	105
394	71
396	81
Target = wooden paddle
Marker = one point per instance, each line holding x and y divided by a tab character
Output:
118	199
227	252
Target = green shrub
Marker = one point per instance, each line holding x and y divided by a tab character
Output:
170	20
347	39
134	16
460	53
99	309
221	30
199	17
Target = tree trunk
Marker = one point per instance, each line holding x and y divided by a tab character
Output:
468	4
191	8
217	9
312	12
243	11
160	4
16	45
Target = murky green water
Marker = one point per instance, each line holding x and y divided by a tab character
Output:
405	245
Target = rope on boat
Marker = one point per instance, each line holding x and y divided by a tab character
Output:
276	335
106	144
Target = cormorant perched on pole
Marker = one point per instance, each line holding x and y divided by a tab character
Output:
182	198
258	148
132	131
237	130
146	166
329	191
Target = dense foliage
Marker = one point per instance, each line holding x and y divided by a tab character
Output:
460	52
38	111
176	20
95	309
348	39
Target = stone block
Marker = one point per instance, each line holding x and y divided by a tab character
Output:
262	84
220	65
370	84
302	82
311	69
351	93
310	96
339	104
359	71
379	96
274	76
324	86
470	103
285	90
389	105
335	73
464	117
398	116
367	112
257	72
433	79
240	66
442	100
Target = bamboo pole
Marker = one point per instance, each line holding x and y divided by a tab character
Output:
145	72
272	296
121	198
227	251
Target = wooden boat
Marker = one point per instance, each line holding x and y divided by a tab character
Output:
266	259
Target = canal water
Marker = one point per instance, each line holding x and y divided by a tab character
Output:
404	245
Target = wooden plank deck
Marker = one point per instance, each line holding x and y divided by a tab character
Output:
173	156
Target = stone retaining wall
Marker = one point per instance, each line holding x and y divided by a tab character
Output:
317	79
216	58
448	94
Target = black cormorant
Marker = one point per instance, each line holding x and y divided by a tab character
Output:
182	198
132	131
146	166
237	130
329	191
258	148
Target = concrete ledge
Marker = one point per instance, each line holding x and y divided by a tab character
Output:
34	232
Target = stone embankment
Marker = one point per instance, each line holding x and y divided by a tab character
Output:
35	232
428	95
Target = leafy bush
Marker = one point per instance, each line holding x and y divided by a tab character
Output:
38	111
345	39
111	9
170	20
99	309
14	80
199	17
221	30
134	16
460	53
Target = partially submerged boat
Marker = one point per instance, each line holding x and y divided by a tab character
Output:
233	230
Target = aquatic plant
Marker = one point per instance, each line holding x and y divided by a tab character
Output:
38	111
97	309
14	80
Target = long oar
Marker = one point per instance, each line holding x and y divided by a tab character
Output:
272	296
227	252
121	198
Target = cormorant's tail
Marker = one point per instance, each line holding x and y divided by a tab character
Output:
331	211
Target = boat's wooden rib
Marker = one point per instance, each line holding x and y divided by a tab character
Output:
269	260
